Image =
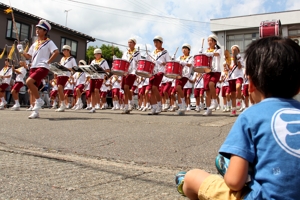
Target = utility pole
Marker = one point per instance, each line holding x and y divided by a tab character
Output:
67	11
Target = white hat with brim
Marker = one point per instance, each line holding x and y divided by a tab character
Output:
237	46
213	37
132	40
97	51
159	38
186	45
66	47
44	25
82	62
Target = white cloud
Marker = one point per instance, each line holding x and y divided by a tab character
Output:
292	4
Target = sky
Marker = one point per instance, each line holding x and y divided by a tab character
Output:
146	18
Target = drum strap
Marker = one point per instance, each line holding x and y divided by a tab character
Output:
134	55
198	81
232	71
9	68
162	53
68	60
38	50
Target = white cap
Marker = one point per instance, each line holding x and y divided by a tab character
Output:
132	39
66	47
237	46
82	62
186	45
213	36
158	38
97	51
44	25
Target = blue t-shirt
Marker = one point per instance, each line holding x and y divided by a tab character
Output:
267	135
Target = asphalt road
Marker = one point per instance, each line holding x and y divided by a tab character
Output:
105	155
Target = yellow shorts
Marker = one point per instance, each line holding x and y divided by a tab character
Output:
215	188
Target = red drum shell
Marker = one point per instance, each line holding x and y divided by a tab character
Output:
173	70
270	28
120	67
202	63
145	68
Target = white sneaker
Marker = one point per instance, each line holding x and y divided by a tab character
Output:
197	109
242	109
227	109
74	107
93	110
34	115
79	107
213	105
15	107
218	108
153	112
208	112
144	109
3	103
158	109
130	107
38	105
141	108
224	108
62	108
125	111
233	113
30	108
188	108
118	107
97	107
88	108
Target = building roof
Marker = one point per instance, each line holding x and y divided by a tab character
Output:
37	18
253	21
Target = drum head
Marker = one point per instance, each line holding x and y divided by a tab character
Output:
173	76
143	74
118	72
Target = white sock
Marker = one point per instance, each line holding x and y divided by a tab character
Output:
63	104
159	103
148	104
126	106
17	102
143	105
182	100
2	99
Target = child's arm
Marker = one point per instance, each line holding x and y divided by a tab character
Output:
237	173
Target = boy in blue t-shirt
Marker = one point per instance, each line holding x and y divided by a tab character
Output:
265	137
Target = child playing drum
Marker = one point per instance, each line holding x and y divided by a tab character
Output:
264	136
212	78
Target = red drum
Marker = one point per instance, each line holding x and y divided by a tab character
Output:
270	28
203	63
173	70
145	68
120	67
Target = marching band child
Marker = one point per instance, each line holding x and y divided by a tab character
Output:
160	56
115	82
132	55
21	73
212	78
5	77
53	93
225	88
63	80
79	79
68	90
147	95
187	91
95	81
187	62
173	104
103	94
39	54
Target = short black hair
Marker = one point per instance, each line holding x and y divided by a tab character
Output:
273	64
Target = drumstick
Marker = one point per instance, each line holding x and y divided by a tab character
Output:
148	54
175	53
202	45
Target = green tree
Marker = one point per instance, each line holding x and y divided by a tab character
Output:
107	52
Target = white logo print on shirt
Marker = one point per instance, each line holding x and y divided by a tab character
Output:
286	130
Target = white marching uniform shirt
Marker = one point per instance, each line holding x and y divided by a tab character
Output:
6	72
236	73
224	80
173	83
69	63
103	63
69	86
199	83
41	54
20	77
146	82
132	58
160	57
115	83
216	62
105	88
188	83
186	71
79	78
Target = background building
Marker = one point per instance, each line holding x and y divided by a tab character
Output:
242	30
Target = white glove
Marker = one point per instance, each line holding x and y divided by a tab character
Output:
183	63
158	62
114	57
201	50
20	48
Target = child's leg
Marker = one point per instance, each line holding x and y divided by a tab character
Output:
192	182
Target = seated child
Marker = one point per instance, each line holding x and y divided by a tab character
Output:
265	137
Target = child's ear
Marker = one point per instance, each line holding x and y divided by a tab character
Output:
252	88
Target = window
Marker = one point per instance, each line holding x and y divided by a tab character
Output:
243	40
23	30
72	43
